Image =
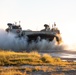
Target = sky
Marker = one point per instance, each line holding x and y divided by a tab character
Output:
33	14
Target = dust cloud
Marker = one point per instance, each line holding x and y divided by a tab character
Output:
9	41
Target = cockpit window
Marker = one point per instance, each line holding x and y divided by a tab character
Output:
16	27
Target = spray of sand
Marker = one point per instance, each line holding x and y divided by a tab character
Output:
9	41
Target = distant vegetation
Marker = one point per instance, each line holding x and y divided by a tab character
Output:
16	59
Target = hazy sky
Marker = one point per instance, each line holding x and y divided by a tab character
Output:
33	14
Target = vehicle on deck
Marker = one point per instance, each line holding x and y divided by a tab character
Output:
47	33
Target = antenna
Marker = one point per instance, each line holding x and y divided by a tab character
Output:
19	22
49	25
54	24
15	23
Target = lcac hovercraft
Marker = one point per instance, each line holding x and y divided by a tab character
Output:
48	33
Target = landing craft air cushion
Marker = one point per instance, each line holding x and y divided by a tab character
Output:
47	33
